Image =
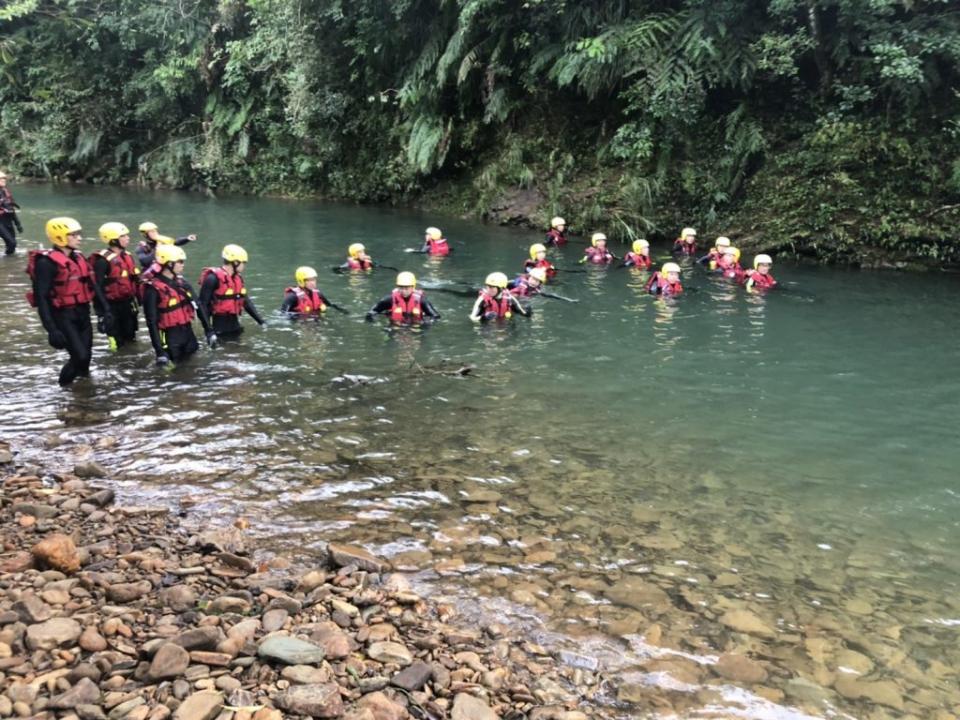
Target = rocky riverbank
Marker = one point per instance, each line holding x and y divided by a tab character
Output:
120	613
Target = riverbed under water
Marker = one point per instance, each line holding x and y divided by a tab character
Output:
625	477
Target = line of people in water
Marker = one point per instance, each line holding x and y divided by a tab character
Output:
65	283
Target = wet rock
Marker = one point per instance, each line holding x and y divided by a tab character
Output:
274	619
881	692
639	594
128	592
101	498
319	701
92	641
746	622
229	604
802	689
31	609
469	707
343	555
53	633
203	705
305	675
237	561
202	638
858	606
335	642
846	659
382	707
290	650
37	511
89	469
58	552
85	692
170	661
390	652
739	668
413	677
228	539
178	598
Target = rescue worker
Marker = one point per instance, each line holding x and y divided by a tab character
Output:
357	259
686	244
760	279
405	305
538	259
8	217
639	256
223	296
495	302
434	243
557	234
115	271
153	268
597	253
304	300
168	308
529	284
713	257
63	287
152	237
729	264
666	281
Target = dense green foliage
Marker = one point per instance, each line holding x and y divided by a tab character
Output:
822	127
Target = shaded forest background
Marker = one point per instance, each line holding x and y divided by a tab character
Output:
823	128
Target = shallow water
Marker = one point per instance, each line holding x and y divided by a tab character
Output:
793	456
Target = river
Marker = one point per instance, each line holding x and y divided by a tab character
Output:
625	477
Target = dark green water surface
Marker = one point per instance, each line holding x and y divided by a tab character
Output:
623	476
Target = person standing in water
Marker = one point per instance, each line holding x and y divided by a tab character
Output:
759	279
405	305
434	243
538	259
116	273
304	300
666	281
151	237
223	296
495	302
597	253
639	256
169	310
686	244
557	234
9	221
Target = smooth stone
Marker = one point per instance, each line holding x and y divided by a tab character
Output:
343	555
390	652
381	707
469	707
335	642
85	692
202	638
739	668
57	551
305	674
274	619
170	661
91	640
89	712
413	677
229	604
290	650
319	700
37	511
89	469
204	705
32	609
178	598
639	594
128	592
206	657
852	660
859	607
746	622
101	498
227	683
53	633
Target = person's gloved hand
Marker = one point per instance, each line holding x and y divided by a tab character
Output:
57	339
368	317
16	221
163	360
212	339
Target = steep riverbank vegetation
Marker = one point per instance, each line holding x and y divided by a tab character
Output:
826	128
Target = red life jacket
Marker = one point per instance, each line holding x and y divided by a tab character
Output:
555	237
599	256
438	247
501	307
174	303
638	260
529	265
405	309
147	275
309	302
230	294
73	283
121	282
523	288
355	264
7	204
659	285
761	281
684	247
733	271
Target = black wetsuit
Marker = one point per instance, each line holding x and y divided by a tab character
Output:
175	342
290	301
146	250
67	328
9	221
225	326
385	305
123	329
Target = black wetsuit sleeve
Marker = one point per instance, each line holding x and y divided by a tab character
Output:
151	313
518	305
382	306
144	257
45	272
428	309
205	300
290	301
252	310
203	320
181	240
101	269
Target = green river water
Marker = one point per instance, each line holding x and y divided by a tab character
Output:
623	478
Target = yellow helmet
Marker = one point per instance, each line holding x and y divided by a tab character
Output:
688	231
557	222
169	254
113	231
732	251
722	242
234	254
597	237
59	227
537	248
640	245
304	273
165	240
762	260
496	279
406	279
355	250
669	268
147	226
433	233
539	273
